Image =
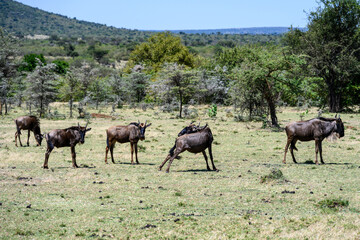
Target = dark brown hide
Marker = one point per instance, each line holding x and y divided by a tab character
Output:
314	129
131	133
30	123
195	143
68	137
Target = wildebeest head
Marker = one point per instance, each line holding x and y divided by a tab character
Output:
39	137
189	129
339	127
142	127
82	131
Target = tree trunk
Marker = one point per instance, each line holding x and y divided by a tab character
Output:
181	103
334	100
71	107
6	107
41	108
272	108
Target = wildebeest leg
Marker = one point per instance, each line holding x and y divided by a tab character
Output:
73	156
172	159
316	151
136	151
286	149
17	135
47	154
320	150
112	152
28	138
292	147
163	163
106	153
132	152
212	159
206	160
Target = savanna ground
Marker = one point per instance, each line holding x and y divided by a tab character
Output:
123	201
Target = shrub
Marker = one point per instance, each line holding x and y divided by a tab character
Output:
332	204
275	174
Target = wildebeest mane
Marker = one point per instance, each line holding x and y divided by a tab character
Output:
72	128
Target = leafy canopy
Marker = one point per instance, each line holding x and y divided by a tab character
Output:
162	48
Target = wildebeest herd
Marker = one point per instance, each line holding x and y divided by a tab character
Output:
193	138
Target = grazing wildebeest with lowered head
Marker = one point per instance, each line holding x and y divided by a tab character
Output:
130	133
68	137
194	143
30	123
314	129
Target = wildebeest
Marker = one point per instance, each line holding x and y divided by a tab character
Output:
186	130
30	123
314	129
130	133
194	143
68	137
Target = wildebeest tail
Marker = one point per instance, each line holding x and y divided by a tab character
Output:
171	152
17	127
107	140
48	140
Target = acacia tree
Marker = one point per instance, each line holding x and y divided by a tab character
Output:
176	81
41	87
263	70
8	66
70	89
332	48
161	48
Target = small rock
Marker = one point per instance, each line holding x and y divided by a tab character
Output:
149	226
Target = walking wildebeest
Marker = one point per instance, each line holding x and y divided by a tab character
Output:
130	133
30	123
314	129
194	143
68	137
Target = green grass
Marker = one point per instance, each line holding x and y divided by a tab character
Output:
121	201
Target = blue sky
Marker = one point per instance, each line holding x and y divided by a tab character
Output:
183	14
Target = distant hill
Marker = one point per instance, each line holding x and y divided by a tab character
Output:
253	30
22	20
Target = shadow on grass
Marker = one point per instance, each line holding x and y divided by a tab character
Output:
309	162
196	170
129	163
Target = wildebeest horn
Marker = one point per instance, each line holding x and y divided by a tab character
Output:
335	115
86	124
145	122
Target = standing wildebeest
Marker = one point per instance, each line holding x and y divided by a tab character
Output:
194	143
30	123
131	133
314	129
68	137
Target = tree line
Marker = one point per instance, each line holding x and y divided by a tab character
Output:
317	67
